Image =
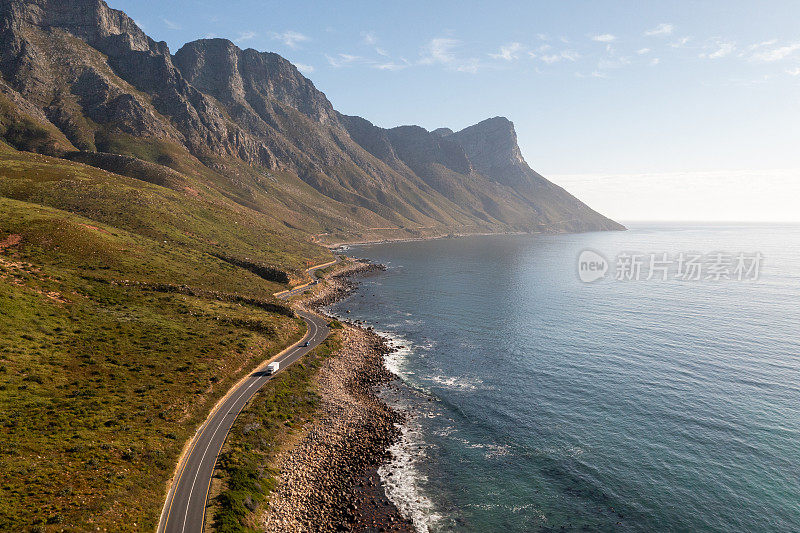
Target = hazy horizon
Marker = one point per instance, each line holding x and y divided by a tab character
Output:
723	196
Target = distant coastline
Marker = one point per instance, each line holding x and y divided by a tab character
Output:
343	245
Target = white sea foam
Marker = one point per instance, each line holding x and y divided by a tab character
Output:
396	360
445	431
401	475
402	479
458	383
427	346
490	451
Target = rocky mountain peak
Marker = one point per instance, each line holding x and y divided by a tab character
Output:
491	146
212	65
91	20
220	68
492	140
417	147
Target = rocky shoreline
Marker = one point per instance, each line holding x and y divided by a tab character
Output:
328	480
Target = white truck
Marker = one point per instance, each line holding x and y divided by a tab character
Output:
273	367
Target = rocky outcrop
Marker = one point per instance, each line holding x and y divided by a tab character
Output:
373	139
420	149
492	148
220	68
80	59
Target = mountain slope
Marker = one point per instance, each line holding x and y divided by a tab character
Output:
78	75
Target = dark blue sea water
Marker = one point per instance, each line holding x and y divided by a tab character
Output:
539	402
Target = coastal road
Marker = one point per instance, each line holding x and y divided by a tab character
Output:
285	295
184	509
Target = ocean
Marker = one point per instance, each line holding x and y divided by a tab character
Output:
665	400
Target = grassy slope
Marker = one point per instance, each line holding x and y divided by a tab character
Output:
102	379
197	217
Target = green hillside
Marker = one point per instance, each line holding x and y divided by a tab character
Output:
120	328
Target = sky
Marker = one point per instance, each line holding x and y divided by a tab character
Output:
668	110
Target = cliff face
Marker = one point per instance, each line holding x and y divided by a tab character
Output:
221	69
76	74
492	147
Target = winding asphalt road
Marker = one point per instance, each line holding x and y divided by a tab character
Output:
184	510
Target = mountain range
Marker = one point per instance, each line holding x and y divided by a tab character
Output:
243	128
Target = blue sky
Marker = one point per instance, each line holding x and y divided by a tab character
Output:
603	94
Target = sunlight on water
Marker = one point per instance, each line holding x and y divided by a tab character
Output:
545	403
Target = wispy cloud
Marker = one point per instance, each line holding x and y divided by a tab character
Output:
775	54
305	69
565	55
721	49
595	74
369	37
613	62
246	36
756	46
613	53
290	38
171	25
660	30
392	65
342	60
440	50
470	66
680	43
508	52
546	54
604	38
335	62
